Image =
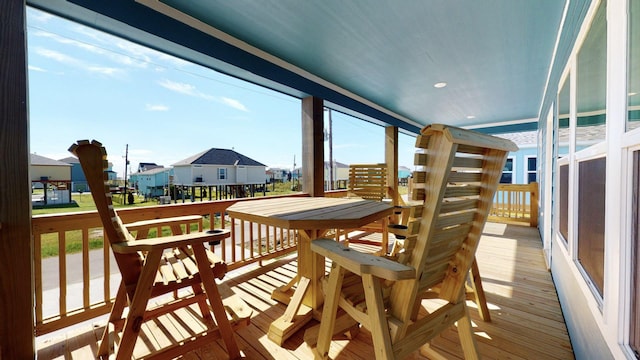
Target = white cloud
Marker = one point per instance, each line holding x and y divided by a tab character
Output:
191	90
104	70
35	68
59	57
156	107
234	104
184	88
77	63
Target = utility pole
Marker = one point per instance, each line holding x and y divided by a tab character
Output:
126	164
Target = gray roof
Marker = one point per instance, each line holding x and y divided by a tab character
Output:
219	157
41	160
70	160
338	164
522	139
153	171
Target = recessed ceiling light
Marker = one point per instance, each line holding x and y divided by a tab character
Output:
470	117
440	85
633	93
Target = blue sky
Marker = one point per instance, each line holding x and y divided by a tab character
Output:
85	84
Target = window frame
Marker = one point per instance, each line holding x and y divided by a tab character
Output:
527	171
222	174
512	171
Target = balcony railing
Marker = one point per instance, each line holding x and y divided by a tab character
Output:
84	281
516	203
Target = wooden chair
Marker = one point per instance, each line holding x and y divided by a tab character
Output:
368	181
154	267
460	173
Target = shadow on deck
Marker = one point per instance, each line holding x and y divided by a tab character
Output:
527	322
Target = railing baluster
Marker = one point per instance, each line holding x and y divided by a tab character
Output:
37	267
85	268
62	272
106	266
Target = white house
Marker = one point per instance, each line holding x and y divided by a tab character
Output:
52	175
218	167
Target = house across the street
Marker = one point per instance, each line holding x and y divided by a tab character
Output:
224	171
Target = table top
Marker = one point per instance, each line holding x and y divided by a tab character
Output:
311	212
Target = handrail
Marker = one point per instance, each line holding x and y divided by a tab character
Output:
516	203
91	292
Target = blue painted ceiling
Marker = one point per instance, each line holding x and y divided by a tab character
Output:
377	59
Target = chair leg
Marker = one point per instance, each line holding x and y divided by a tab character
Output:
465	332
116	314
329	312
202	304
478	290
376	310
135	318
219	312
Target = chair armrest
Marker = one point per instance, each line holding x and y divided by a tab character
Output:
176	220
361	263
168	242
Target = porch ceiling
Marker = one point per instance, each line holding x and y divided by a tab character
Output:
378	59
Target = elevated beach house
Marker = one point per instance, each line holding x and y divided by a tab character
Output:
215	167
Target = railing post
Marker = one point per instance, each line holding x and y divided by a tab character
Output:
533	215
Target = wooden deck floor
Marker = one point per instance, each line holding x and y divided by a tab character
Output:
527	322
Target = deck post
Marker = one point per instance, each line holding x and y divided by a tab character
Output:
391	159
17	339
313	146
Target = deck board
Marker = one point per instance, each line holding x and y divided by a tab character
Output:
527	322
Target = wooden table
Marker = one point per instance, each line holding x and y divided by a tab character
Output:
312	217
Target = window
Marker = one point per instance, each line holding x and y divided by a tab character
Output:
633	74
634	333
591	211
563	117
563	201
592	83
507	172
531	174
222	173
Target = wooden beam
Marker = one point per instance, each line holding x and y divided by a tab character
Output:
391	159
313	146
17	339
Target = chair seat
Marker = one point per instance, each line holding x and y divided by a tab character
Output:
178	267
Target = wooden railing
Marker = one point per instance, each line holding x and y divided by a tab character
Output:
516	203
74	286
513	203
